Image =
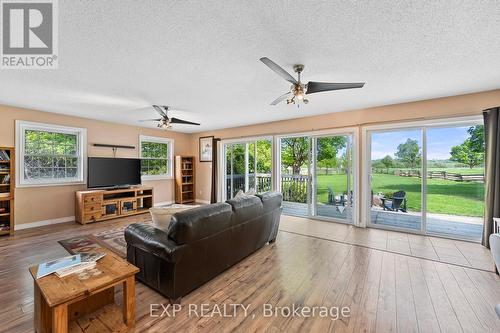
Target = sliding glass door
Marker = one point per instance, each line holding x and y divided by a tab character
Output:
295	174
427	179
333	178
316	176
248	167
455	181
396	182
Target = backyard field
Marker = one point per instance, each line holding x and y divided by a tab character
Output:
444	196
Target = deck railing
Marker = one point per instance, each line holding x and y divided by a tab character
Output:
294	187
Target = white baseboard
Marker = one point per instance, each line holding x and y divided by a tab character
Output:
65	219
164	203
206	202
44	222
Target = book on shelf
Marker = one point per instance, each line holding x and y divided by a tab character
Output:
6	180
4	156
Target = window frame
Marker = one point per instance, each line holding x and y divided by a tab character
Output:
422	125
170	157
81	135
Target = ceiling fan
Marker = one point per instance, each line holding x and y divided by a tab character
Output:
299	90
165	121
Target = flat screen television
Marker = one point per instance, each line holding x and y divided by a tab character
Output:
113	172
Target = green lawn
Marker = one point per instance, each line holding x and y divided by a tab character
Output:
444	196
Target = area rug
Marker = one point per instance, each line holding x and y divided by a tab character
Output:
113	240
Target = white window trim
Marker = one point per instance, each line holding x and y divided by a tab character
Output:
170	142
22	126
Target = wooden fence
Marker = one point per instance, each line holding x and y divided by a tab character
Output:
433	175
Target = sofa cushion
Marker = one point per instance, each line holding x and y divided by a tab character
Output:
245	208
271	200
152	240
198	223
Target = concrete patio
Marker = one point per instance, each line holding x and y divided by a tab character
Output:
463	227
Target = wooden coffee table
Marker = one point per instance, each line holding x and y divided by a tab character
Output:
67	302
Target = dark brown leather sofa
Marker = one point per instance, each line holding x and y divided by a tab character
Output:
202	242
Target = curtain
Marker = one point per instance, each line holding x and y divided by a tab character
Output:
492	166
215	174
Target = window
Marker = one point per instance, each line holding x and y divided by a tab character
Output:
156	154
49	154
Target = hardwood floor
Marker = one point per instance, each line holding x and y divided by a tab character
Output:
445	250
385	291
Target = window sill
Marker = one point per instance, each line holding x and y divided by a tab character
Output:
158	177
50	184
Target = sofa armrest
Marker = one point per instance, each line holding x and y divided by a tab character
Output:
154	241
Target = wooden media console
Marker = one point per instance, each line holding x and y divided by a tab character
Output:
100	205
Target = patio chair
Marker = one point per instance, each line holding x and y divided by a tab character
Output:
396	203
332	200
331	196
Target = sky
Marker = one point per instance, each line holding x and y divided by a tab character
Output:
439	141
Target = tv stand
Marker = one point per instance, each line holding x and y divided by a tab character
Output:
101	205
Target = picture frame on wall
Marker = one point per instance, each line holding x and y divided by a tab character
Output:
206	148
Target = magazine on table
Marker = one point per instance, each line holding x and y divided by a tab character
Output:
69	265
76	269
53	266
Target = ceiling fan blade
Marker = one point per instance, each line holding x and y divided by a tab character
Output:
278	70
159	110
143	120
281	98
180	121
314	87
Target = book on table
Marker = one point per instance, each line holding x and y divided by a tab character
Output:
76	269
53	266
69	265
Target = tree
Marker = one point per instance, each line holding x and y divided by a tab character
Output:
409	153
477	138
467	153
388	162
264	160
327	150
295	153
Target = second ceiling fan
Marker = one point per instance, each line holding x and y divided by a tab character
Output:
299	91
165	121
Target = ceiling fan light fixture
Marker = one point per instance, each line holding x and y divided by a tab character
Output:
299	89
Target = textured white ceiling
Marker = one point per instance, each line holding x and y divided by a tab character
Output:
117	57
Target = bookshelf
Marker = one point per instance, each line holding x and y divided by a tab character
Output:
7	174
184	179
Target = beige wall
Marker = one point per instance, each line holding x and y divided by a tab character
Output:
47	203
462	105
33	204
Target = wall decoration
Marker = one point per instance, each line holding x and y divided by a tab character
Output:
206	148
